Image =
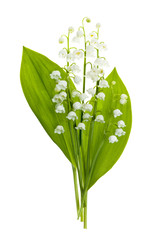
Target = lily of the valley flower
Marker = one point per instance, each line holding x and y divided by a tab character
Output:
92	75
74	68
63	53
83	96
70	57
90	51
119	132
100	96
59	108
78	54
100	119
61	40
80	33
62	85
77	106
100	62
81	126
121	124
59	129
86	107
103	84
117	113
91	91
55	75
72	116
103	46
77	79
71	29
123	99
75	93
86	116
58	98
98	25
113	139
92	35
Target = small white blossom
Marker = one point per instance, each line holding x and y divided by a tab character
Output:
78	54
55	75
63	53
103	84
86	116
100	96
70	29
77	106
61	40
80	33
95	43
119	132
83	96
91	91
100	119
124	96
75	93
59	129
70	57
77	79
62	85
92	35
86	107
117	113
101	62
81	126
121	124
58	98
59	108
113	82
113	139
72	116
103	46
90	51
123	101
98	25
92	75
74	68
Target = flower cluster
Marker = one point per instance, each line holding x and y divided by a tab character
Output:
96	73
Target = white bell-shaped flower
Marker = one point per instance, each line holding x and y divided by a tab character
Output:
91	91
59	129
86	116
90	51
100	119
100	96
59	108
63	53
101	62
75	93
86	107
61	40
121	124
77	106
72	116
98	25
80	33
92	75
62	85
70	29
124	96
113	139
74	68
123	101
81	126
77	79
117	113
58	98
70	57
103	84
83	96
55	75
119	132
78	54
92	35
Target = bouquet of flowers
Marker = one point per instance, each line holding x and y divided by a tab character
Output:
91	126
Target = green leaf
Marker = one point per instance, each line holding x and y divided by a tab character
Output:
104	154
38	89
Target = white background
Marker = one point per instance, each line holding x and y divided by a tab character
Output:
36	187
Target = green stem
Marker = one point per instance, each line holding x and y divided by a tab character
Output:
85	212
76	187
